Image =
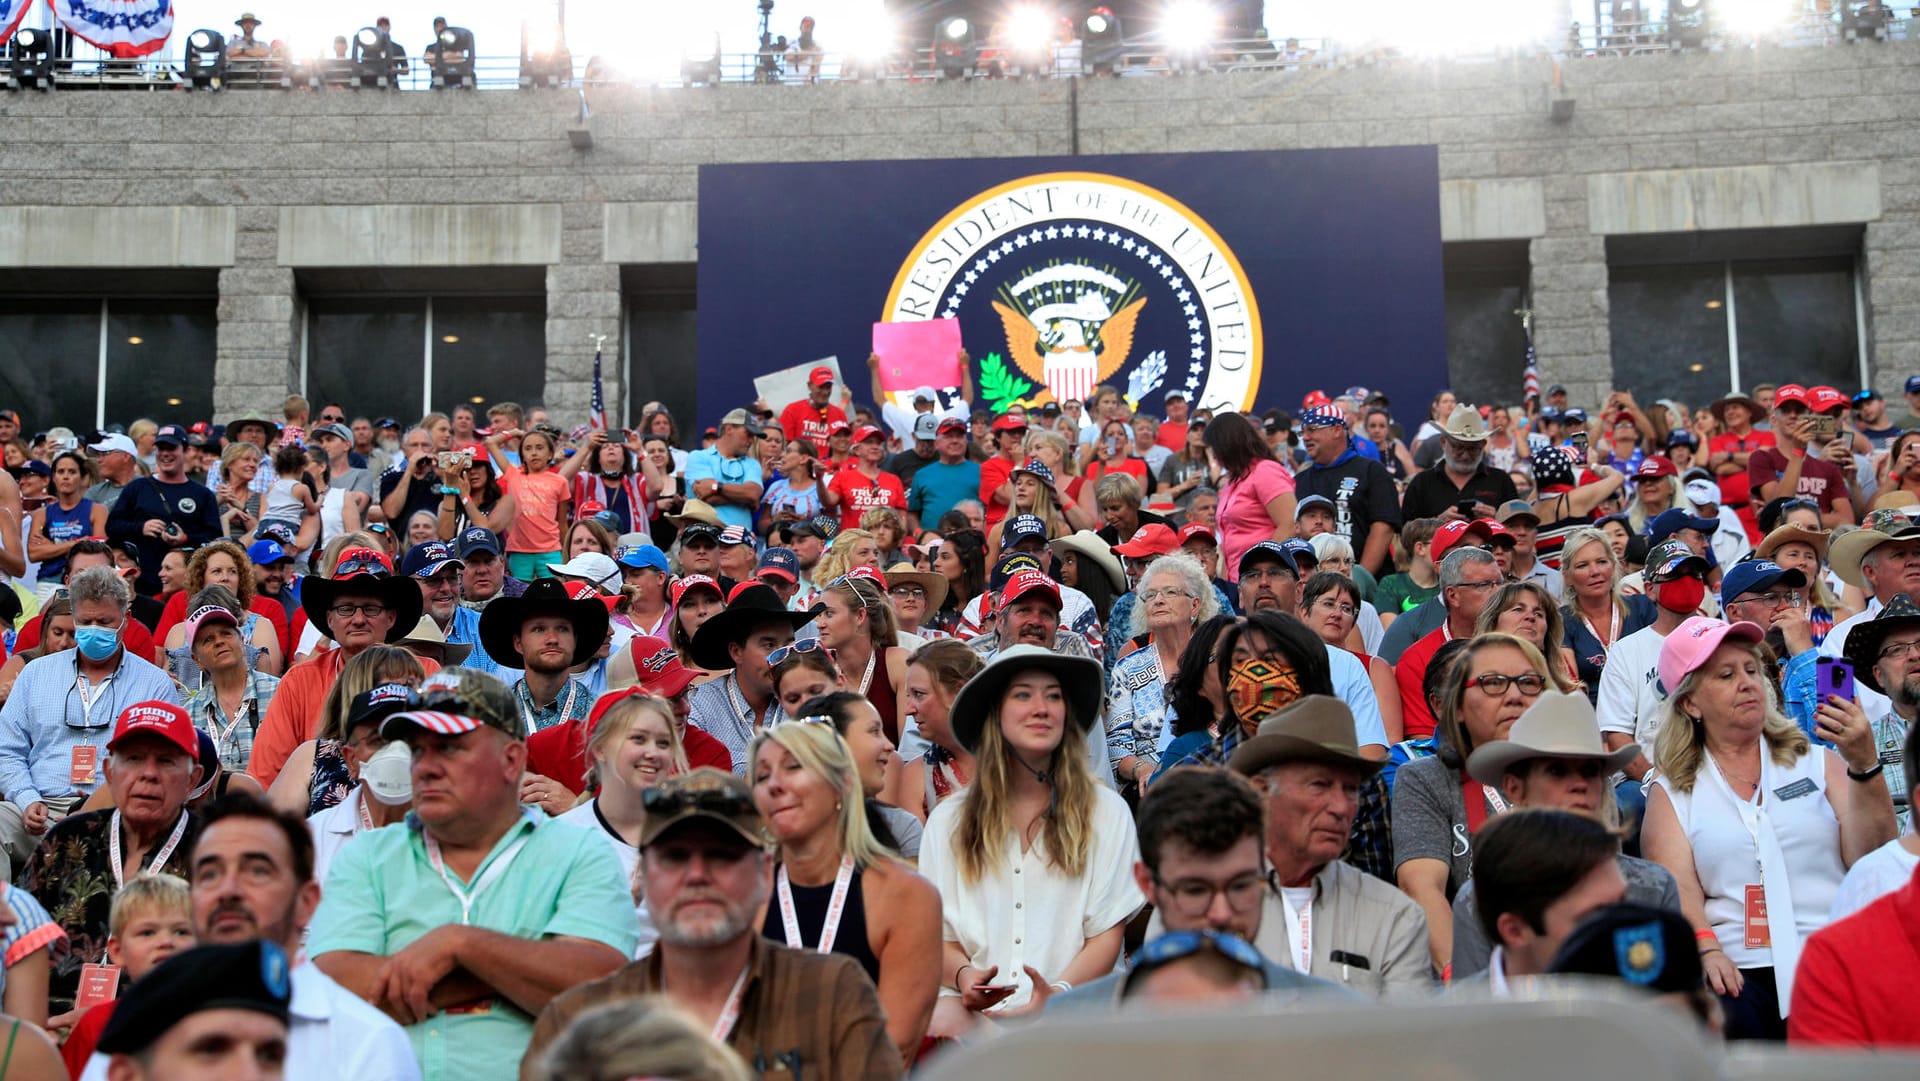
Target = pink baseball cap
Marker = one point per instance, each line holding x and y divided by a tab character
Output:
1691	643
203	615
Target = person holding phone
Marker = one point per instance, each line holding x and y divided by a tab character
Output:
1467	486
1796	465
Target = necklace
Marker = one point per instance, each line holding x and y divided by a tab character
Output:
1750	782
1043	776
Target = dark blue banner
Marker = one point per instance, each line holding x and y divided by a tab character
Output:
1247	279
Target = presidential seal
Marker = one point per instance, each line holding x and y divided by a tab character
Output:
1084	279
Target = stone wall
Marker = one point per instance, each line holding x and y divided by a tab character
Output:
1658	144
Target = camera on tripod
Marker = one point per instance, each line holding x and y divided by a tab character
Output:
767	69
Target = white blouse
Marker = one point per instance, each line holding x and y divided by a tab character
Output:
587	817
1024	912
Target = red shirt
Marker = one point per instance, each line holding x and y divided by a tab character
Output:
560	753
858	494
1734	489
1172	436
1410	673
1854	984
804	420
1820	480
85	1035
993	473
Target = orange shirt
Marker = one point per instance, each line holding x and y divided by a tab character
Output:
536	519
294	716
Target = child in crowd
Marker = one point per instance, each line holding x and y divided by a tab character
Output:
290	500
151	920
1406	590
543	496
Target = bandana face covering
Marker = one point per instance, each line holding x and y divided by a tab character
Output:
1256	687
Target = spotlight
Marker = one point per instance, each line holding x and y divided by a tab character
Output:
956	30
206	59
1100	40
30	60
1029	30
1863	19
700	59
870	50
544	59
372	55
954	49
453	58
1189	28
1687	24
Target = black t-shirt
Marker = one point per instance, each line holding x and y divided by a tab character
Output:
1432	492
905	464
1361	492
424	495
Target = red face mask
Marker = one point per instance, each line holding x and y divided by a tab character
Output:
1681	596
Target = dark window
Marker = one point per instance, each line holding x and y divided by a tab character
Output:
498	351
662	343
368	354
1796	322
160	356
50	361
1669	328
1486	282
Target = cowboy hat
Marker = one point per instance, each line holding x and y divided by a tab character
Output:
1881	526
933	582
750	606
1087	543
362	572
1317	728
503	617
1789	534
1080	678
1864	641
1755	411
697	510
426	633
1555	726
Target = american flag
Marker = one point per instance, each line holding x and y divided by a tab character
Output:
597	411
1530	383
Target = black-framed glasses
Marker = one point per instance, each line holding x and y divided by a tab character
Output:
1493	684
1192	897
1775	599
1178	945
804	645
348	611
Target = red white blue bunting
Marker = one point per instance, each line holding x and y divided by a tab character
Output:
122	28
11	12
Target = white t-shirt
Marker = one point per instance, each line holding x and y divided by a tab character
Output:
587	818
1873	876
1630	697
332	829
1024	912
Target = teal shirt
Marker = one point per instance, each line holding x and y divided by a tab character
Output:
382	894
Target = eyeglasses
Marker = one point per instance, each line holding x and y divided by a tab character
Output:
1177	945
1151	595
909	592
726	804
1775	599
1899	651
1192	897
804	645
1479	585
1336	606
348	611
1493	685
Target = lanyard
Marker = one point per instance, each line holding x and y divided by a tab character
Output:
366	820
1302	921
1476	809
1613	630
159	858
465	895
90	693
730	1013
867	676
836	905
251	713
565	705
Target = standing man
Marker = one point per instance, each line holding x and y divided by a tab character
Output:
1468	577
411	483
811	417
1366	503
996	473
726	476
1464	476
337	441
706	867
862	485
466	921
438	572
1523	525
1173	430
734	708
907	464
1871	410
546	633
938	486
164	511
1793	465
114	457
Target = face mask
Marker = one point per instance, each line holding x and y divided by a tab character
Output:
1682	595
1257	687
96	643
389	774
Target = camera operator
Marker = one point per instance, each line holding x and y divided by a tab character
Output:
164	511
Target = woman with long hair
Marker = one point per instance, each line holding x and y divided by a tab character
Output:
1393	453
480	502
1438	411
1256	492
856	721
1656	489
1504	451
696	599
1052	450
622	480
858	625
1594	611
1437	808
962	558
222	563
632	745
1329	605
837	889
1189	468
319	774
67	518
1034	493
849	548
1527	611
587	535
935	674
1088	564
1260	663
1175	595
889	531
1797	547
1036	829
1757	824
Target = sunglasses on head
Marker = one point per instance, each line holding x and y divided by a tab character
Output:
804	645
351	567
1178	945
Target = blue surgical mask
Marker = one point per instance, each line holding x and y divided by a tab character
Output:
96	643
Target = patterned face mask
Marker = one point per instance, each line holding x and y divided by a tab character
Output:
1256	687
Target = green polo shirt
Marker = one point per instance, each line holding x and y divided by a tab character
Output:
382	894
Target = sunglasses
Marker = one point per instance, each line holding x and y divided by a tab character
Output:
804	645
351	567
726	804
1178	945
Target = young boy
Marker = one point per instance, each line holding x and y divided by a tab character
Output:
1404	591
151	920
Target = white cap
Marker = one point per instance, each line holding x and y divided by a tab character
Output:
1703	493
593	567
925	394
114	441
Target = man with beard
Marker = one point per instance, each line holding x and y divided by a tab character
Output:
1464	475
1269	579
438	572
163	511
1366	503
706	869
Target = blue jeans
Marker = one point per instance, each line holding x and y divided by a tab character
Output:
1633	808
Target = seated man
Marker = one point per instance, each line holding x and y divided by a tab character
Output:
734	708
465	922
1540	873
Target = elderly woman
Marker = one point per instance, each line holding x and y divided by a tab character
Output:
223	563
1256	492
837	889
1329	605
935	674
1332	552
1118	495
1175	596
228	705
1656	488
1526	611
1757	825
1595	613
1035	830
1437	808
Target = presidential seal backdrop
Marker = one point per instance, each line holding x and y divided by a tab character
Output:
1242	279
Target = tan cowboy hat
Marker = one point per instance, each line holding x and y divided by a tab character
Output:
934	583
1555	726
426	633
1317	728
697	510
1791	534
247	17
1755	411
1845	553
1894	499
1088	543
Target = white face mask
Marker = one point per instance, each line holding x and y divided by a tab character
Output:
388	775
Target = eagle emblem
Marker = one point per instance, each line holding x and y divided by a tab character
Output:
1069	326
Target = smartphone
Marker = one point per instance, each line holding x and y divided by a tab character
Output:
1822	426
1833	676
1578	439
1465	507
455	459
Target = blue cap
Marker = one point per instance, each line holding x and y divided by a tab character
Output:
1575	415
1680	437
1298	548
35	466
783	561
1020	527
1270	551
1674	519
265	553
1913	384
1038	468
641	557
275	531
429	559
1008	566
478	539
171	434
1551	414
1753	575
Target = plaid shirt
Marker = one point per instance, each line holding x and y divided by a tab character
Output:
233	736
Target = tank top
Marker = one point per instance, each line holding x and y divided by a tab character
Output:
810	906
1553	536
880	693
281	506
63	526
332	520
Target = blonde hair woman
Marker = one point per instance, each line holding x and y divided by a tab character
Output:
1594	613
837	889
850	548
1034	493
1053	451
646	1036
238	503
859	626
1034	816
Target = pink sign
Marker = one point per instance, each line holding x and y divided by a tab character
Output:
921	354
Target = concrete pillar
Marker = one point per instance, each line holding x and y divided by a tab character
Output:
582	301
256	352
1892	291
1570	334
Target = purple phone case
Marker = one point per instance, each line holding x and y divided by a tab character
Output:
1834	677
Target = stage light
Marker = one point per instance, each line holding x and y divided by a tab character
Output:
1687	24
1863	19
956	29
700	59
30	60
954	49
1749	18
1097	24
544	59
452	42
206	60
1189	26
371	54
1100	41
1029	30
870	48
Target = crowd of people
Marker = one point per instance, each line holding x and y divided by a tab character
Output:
829	739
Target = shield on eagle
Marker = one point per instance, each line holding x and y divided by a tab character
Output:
1069	326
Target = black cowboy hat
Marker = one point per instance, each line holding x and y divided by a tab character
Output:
362	572
504	616
1865	640
749	607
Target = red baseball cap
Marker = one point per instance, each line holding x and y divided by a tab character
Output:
1149	540
1791	392
952	424
838	426
1826	400
1010	423
866	432
1315	400
819	375
1026	582
1450	534
658	667
1655	465
694	581
163	719
588	509
1197	529
587	591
